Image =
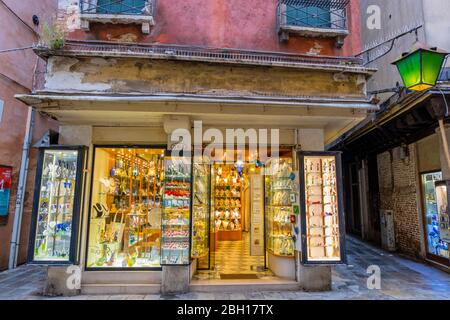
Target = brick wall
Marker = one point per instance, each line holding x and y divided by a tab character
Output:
398	192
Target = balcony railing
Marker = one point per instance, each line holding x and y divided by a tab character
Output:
118	11
313	17
132	7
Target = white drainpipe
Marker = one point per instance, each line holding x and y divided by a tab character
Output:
18	211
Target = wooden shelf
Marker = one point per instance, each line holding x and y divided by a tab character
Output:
229	235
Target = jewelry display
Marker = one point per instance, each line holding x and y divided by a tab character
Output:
322	219
55	208
279	186
176	211
227	198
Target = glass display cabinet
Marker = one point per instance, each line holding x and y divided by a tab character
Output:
442	195
278	189
175	244
56	205
322	223
201	212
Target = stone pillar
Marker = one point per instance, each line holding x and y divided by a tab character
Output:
175	279
75	135
315	278
63	280
60	282
312	278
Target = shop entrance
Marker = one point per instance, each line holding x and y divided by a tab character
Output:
247	211
234	253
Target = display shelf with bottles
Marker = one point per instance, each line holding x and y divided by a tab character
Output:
227	202
278	188
175	245
322	209
200	211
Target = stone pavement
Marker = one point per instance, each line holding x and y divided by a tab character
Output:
400	279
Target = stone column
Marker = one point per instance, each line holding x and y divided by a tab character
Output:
65	280
175	279
312	278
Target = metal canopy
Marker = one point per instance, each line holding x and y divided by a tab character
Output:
411	126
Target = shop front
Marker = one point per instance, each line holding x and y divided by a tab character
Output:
227	220
135	217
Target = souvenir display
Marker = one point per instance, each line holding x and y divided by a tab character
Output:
322	209
227	198
55	209
200	210
279	226
435	245
176	211
125	221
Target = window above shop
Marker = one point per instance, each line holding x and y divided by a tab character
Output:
118	12
313	18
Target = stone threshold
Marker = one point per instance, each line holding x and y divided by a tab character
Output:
216	285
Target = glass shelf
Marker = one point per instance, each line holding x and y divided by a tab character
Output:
278	187
176	212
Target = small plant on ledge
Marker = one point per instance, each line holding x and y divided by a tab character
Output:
52	37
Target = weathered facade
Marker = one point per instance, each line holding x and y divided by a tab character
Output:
122	81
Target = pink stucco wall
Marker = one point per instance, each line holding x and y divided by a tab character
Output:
249	24
16	74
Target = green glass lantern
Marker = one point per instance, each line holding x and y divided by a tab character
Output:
420	68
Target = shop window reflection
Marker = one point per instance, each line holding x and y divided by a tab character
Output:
435	245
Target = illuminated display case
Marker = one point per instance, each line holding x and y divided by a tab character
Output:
175	225
228	202
442	195
56	208
322	223
278	189
126	206
201	212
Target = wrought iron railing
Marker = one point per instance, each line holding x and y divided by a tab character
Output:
323	14
118	7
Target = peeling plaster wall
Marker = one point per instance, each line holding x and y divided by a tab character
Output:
249	24
154	76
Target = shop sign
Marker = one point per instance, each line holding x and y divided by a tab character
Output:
5	190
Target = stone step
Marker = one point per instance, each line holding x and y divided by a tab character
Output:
228	286
121	277
106	289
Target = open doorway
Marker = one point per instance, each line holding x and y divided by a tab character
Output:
231	253
234	201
